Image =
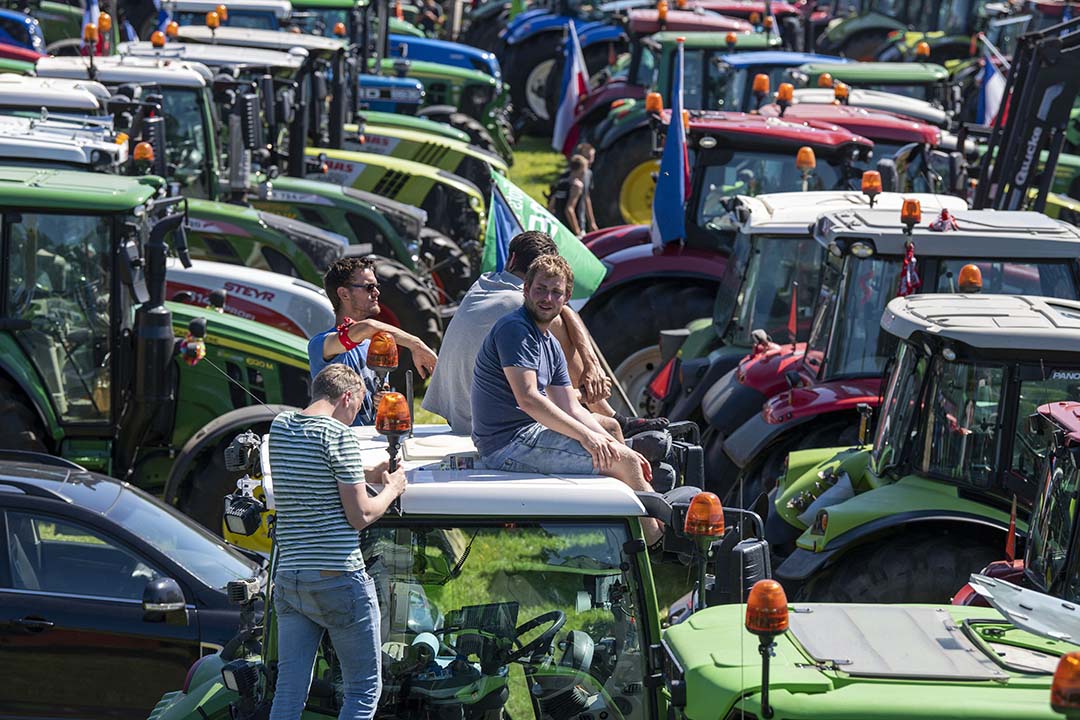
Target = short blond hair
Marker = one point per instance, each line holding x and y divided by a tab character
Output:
554	265
334	380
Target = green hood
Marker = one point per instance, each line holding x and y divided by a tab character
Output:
411	122
427	146
247	336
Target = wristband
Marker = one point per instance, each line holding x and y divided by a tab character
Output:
343	334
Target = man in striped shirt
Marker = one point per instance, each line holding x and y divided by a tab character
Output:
321	585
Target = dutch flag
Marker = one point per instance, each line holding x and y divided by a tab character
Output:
575	83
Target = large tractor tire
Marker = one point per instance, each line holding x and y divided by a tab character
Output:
451	267
624	181
407	304
484	32
627	323
199	481
527	73
20	426
478	134
761	475
913	566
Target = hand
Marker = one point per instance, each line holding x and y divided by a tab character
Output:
424	359
646	468
603	448
395	482
374	475
595	385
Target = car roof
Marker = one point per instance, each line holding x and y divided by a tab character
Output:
874	124
987	322
117	70
75	485
793	212
980	234
488	493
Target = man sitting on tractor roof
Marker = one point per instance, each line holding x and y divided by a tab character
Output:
526	417
353	290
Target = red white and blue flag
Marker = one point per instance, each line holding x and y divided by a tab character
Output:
575	83
673	183
991	91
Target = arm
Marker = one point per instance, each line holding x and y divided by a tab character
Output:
593	380
589	217
571	207
362	509
565	400
423	357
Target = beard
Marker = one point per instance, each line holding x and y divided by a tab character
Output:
539	315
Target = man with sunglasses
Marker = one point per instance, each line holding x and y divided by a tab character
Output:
353	290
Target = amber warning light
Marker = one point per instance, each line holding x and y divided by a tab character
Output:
910	213
766	617
871	185
382	355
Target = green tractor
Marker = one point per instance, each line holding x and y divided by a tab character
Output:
954	460
89	368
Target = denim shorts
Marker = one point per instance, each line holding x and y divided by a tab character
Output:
535	449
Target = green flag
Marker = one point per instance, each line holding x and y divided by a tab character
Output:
516	8
512	211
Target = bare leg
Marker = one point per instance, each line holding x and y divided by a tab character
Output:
628	470
610	425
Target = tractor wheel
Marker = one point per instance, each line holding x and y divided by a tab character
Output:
624	181
527	74
917	566
761	475
20	427
199	481
451	268
596	59
627	323
478	134
407	304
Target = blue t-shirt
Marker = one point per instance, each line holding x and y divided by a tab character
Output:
357	360
514	341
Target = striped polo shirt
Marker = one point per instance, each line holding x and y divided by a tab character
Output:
309	456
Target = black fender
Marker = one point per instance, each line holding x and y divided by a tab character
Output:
700	375
801	564
729	405
617	132
234	421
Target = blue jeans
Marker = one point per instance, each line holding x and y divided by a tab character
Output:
535	449
307	603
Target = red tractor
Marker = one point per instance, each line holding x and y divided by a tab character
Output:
649	288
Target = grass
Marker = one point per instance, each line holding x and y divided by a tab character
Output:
536	166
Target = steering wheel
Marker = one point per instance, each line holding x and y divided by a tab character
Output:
557	618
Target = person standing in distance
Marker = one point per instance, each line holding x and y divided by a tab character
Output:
321	585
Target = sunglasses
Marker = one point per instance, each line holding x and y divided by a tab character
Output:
369	287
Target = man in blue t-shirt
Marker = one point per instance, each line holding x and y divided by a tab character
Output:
525	416
353	290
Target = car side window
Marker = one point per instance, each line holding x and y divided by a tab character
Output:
52	555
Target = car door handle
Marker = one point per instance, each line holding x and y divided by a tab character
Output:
33	624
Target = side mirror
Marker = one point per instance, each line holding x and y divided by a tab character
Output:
890	177
163	595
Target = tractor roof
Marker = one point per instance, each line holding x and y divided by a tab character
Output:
794	212
119	70
873	124
980	234
755	129
778	57
280	8
83	97
49	141
266	39
215	55
647	21
71	190
878	100
988	322
490	493
906	73
707	40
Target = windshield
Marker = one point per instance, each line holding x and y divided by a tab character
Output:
453	596
1049	279
898	407
824	310
954	17
1039	384
645	74
728	88
775	263
190	545
185	137
1052	526
253	19
736	172
320	20
927	92
857	346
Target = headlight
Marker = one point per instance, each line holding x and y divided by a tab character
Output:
322	247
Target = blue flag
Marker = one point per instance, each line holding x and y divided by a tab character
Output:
673	183
502	228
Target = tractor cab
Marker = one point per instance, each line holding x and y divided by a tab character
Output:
260	14
921	81
730	79
954	440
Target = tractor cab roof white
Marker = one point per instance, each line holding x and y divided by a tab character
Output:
44	141
794	212
82	97
266	39
280	8
214	56
878	100
435	489
989	322
123	69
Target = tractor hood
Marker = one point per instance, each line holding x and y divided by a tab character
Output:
867	661
389	119
609	240
247	336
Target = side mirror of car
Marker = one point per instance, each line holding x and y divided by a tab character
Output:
163	595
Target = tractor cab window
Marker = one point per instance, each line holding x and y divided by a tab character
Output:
832	273
724	86
1052	525
525	620
186	138
251	19
775	264
645	73
729	171
1013	278
901	403
961	422
59	282
693	78
318	20
1039	385
856	344
954	17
